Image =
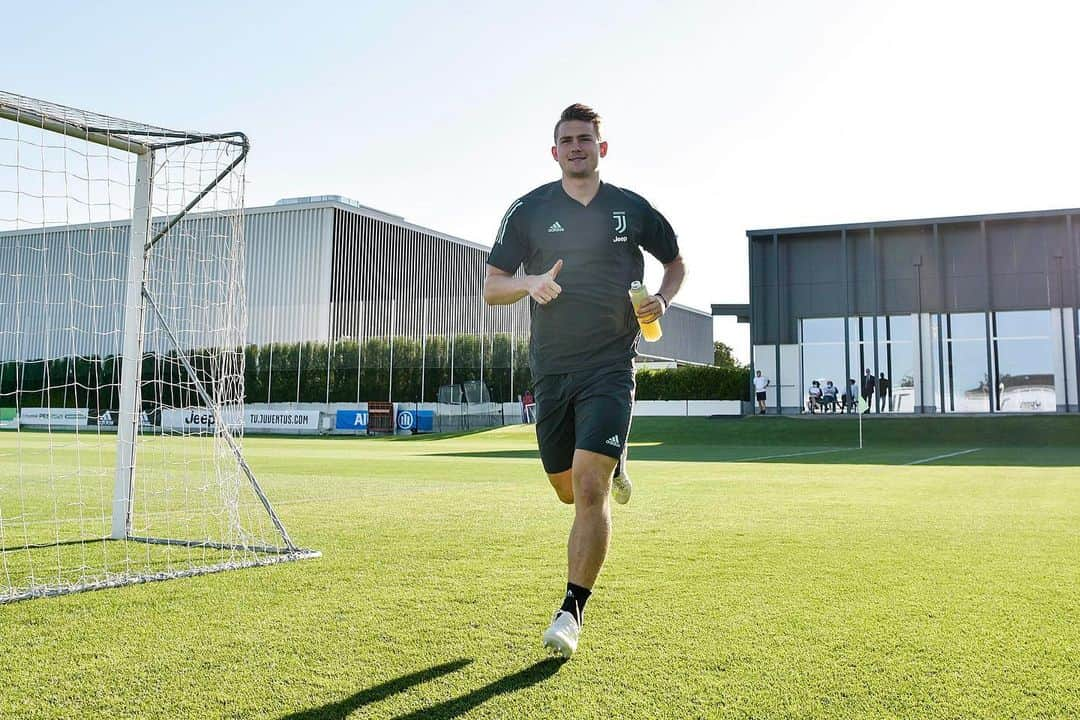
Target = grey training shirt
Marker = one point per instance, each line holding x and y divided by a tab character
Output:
592	322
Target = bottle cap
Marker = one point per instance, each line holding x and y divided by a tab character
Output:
635	285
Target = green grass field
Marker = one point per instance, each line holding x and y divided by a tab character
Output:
764	569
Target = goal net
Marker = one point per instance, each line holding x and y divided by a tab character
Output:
122	323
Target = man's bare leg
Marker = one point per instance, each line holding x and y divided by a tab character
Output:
587	548
564	485
591	531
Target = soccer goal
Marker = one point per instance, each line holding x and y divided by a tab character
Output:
122	324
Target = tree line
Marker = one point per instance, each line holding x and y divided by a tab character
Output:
348	370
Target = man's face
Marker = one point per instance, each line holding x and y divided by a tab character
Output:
577	149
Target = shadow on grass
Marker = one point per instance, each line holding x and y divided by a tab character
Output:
343	708
803	455
456	707
426	437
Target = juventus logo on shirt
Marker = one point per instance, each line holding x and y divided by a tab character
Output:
619	216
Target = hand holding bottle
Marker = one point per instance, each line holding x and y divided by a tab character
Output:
649	309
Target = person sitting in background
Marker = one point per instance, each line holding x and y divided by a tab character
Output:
813	399
828	397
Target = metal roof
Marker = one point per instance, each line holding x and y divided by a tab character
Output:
284	205
1026	215
348	204
741	311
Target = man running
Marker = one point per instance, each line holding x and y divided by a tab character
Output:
580	243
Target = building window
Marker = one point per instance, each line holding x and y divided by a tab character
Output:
860	346
896	364
967	379
822	346
1024	368
893	365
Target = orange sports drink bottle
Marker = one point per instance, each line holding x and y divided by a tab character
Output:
650	331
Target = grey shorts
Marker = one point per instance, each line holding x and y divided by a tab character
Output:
586	410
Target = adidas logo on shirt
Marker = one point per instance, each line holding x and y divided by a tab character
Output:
555	227
613	441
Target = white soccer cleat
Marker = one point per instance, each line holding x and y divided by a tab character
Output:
621	487
562	634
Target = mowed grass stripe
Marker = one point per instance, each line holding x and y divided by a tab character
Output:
943	456
790	455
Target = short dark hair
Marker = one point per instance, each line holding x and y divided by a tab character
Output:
577	111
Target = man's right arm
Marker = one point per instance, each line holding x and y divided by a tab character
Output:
503	288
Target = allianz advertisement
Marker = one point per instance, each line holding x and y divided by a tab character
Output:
203	419
405	420
415	420
351	420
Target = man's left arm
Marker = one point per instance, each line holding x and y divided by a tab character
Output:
656	305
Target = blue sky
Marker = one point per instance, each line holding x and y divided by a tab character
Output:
726	115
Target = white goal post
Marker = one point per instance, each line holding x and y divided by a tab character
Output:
122	309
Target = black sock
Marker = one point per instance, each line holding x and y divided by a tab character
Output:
574	602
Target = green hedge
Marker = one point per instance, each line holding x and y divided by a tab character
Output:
345	371
694	383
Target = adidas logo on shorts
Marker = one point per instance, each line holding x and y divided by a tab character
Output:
613	441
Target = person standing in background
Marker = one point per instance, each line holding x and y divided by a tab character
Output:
761	384
884	394
868	385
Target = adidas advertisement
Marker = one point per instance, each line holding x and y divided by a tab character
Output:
109	418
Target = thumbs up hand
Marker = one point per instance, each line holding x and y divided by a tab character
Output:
543	288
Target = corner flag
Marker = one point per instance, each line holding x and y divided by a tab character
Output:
863	407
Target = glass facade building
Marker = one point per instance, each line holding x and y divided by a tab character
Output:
948	315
